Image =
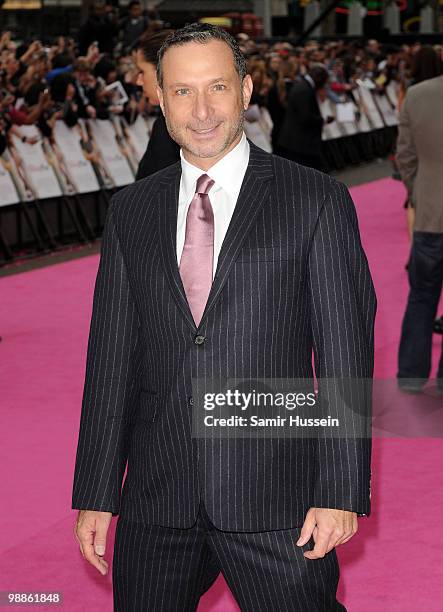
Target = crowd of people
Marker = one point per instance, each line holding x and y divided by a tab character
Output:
70	78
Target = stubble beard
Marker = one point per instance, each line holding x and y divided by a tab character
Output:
204	151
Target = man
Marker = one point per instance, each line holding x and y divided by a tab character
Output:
161	151
232	263
86	98
133	25
420	162
373	49
301	132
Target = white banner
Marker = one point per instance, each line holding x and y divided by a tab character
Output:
389	114
138	134
330	130
39	173
8	192
80	170
345	113
115	162
367	105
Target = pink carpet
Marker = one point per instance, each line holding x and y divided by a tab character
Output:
394	562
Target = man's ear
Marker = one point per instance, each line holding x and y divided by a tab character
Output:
247	88
160	98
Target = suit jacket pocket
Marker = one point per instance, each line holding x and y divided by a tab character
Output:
147	406
266	253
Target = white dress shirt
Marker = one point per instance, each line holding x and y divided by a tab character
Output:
228	174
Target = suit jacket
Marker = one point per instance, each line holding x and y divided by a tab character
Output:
291	277
161	151
303	123
420	152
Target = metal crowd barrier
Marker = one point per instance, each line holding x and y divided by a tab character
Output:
364	126
55	192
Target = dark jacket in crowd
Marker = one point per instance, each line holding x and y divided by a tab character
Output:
301	131
277	111
161	151
132	29
85	96
100	29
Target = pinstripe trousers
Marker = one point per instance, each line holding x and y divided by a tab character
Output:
165	569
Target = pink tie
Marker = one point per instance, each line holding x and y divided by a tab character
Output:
196	261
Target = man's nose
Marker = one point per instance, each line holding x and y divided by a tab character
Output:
201	109
139	80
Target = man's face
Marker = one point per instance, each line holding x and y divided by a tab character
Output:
338	68
99	10
318	56
112	76
136	11
11	65
84	77
203	100
274	63
147	78
372	46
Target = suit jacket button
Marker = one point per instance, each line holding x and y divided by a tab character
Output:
199	339
191	401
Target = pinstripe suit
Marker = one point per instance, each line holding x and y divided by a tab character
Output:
291	277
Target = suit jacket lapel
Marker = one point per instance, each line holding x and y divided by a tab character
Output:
168	207
254	192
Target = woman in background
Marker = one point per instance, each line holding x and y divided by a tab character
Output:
161	151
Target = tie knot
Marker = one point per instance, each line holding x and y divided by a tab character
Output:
204	184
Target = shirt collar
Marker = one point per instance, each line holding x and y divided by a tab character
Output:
310	80
227	173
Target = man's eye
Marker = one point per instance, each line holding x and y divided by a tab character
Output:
181	91
220	86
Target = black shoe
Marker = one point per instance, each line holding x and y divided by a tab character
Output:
438	326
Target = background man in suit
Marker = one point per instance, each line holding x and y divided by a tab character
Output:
420	162
132	25
232	263
161	151
300	135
